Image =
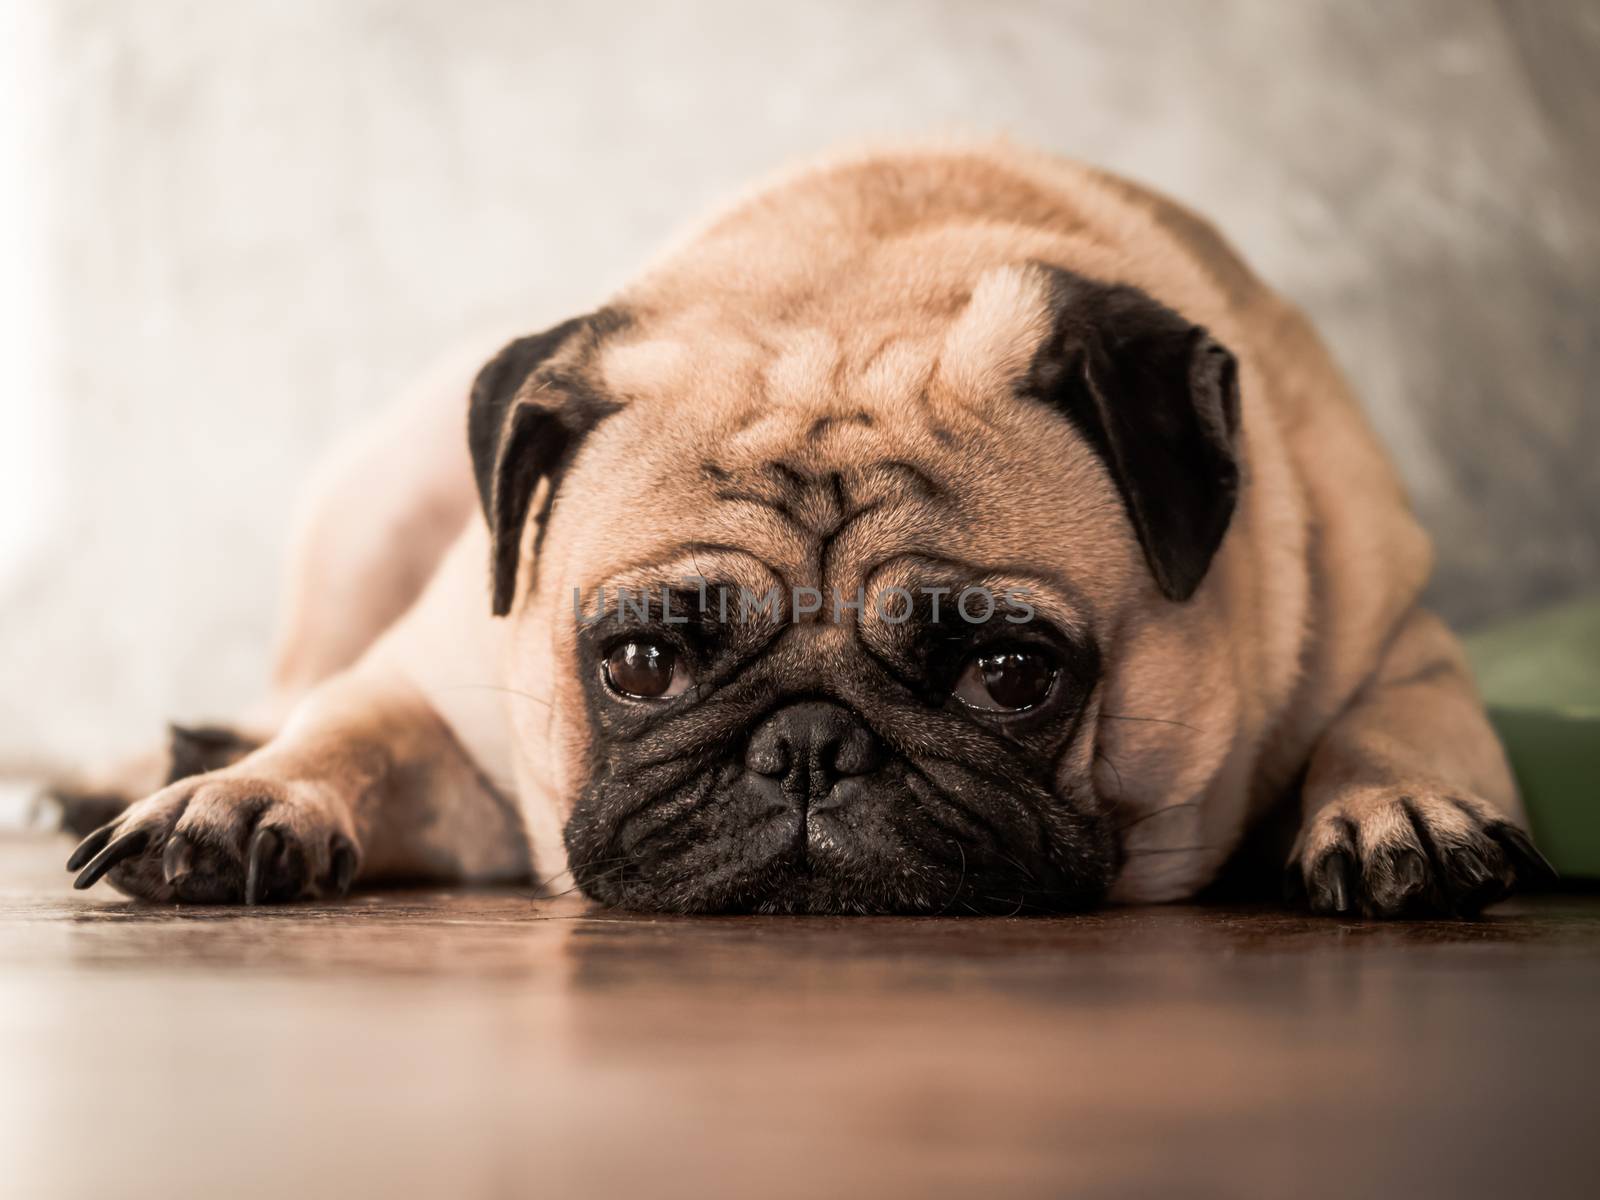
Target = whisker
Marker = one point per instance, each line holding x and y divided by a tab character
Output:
1152	720
541	884
1171	850
1156	813
493	687
993	842
959	882
1106	758
608	873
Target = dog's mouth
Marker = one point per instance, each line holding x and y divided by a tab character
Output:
897	840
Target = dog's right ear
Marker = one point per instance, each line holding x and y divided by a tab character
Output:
530	410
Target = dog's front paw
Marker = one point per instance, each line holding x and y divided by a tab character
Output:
225	838
1388	852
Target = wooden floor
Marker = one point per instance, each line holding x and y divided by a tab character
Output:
488	1044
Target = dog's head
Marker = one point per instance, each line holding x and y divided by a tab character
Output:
813	600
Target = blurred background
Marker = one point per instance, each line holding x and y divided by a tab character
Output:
231	231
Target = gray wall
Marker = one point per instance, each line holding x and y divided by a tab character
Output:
255	220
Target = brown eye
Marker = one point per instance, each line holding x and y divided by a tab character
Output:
1006	680
646	671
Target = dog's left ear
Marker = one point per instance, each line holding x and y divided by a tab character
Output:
530	410
1158	399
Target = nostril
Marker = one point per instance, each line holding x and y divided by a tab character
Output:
767	754
857	753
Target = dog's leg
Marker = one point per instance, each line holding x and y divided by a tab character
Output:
366	781
383	772
1410	807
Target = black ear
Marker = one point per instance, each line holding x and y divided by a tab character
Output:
530	409
1158	399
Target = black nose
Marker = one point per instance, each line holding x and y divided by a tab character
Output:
811	746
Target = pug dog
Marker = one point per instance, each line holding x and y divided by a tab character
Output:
935	530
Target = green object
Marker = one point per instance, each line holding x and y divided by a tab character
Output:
1541	680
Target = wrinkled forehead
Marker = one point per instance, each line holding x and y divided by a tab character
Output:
817	451
897	347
